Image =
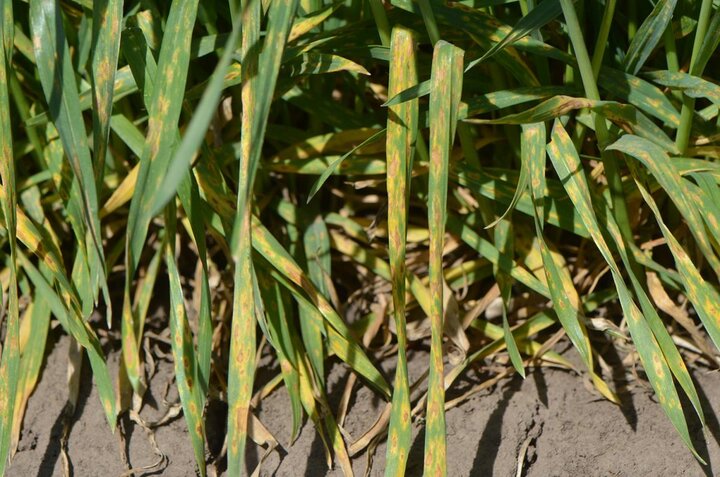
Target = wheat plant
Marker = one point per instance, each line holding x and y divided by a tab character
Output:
286	165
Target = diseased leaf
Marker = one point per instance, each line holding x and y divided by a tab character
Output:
648	35
661	166
567	164
402	131
690	85
446	78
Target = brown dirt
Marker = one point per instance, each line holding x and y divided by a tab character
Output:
567	430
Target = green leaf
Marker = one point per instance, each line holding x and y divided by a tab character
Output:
284	341
197	211
107	21
648	35
295	280
536	18
73	323
495	100
709	45
164	85
321	63
164	112
504	242
186	368
195	132
35	326
61	92
412	92
316	243
466	232
336	163
124	85
10	364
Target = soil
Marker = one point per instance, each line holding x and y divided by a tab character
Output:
550	420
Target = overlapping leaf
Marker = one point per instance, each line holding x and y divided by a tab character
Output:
566	163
